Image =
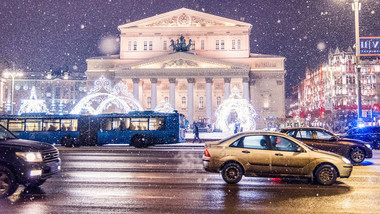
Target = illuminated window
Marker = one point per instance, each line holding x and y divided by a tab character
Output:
233	44
139	124
157	123
217	45
33	125
150	45
165	45
135	45
222	44
201	103
145	45
16	125
202	44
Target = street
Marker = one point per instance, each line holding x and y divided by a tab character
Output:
170	179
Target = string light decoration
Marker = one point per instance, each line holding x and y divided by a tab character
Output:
33	105
236	106
97	102
164	107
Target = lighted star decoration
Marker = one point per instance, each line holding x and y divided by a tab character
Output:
33	105
245	113
103	97
164	107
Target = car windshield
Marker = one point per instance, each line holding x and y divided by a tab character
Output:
5	134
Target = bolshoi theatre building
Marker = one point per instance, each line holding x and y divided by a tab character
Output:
193	60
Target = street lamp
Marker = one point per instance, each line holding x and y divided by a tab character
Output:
357	58
14	73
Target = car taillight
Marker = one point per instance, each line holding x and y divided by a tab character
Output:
207	154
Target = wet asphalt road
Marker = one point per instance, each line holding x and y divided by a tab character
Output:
172	180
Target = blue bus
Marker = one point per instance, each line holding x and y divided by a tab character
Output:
137	128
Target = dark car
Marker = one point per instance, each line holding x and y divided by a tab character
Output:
370	134
319	138
25	162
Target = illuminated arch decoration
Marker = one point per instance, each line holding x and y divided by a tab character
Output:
33	105
97	102
243	112
164	107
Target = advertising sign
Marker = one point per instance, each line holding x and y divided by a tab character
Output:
369	46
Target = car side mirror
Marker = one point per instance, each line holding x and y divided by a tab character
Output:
300	149
333	138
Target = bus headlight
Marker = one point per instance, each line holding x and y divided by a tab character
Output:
30	156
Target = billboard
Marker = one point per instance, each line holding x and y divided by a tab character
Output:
369	46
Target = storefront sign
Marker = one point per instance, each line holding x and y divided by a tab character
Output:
369	46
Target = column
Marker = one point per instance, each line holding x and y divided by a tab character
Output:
136	88
190	100
172	92
209	99
246	88
227	90
153	92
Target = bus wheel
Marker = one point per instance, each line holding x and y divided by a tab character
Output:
67	141
138	141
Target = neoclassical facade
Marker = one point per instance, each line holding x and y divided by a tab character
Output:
196	81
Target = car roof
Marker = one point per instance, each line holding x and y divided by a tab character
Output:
305	128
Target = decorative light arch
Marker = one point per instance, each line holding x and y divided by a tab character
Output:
97	102
244	111
33	105
164	107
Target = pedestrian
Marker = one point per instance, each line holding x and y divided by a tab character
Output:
196	133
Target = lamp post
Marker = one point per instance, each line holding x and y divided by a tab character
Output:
14	73
357	59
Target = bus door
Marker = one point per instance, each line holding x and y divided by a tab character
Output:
88	127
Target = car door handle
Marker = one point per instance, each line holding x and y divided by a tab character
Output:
246	151
279	154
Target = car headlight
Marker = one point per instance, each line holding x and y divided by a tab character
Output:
30	156
346	160
368	145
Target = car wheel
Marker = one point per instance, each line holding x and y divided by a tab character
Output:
35	184
357	155
232	173
8	184
67	141
326	174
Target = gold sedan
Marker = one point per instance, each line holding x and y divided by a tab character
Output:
272	154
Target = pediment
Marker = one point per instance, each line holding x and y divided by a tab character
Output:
183	60
184	18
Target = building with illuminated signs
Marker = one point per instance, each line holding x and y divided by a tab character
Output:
197	80
328	96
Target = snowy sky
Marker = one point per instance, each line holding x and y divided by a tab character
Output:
38	34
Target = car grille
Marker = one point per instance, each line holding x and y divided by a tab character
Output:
50	155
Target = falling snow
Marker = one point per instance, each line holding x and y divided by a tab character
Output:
65	33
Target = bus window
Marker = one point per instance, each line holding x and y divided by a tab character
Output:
139	124
4	122
106	124
16	125
33	125
157	123
51	125
121	123
69	125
